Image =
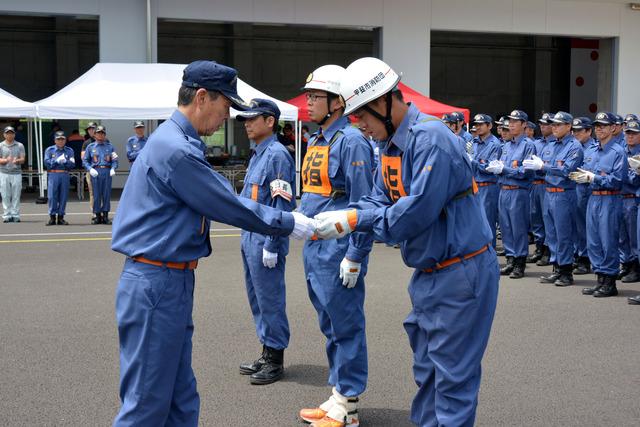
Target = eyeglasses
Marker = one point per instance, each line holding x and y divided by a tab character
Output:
313	97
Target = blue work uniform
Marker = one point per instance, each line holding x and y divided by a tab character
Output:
629	220
266	286
609	164
466	136
58	177
134	145
561	157
619	139
536	194
99	156
582	198
484	151
171	195
423	197
338	170
514	201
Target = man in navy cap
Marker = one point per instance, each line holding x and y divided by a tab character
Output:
101	161
618	135
630	118
12	157
162	227
531	130
136	142
59	160
604	170
632	136
455	122
269	181
90	133
514	202
557	161
582	128
486	148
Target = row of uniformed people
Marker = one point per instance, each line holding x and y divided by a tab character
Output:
540	186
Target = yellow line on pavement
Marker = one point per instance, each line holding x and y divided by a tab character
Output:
88	239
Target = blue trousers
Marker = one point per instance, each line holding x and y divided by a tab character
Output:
536	195
340	314
153	310
514	221
57	192
603	231
628	230
560	225
448	329
101	191
582	197
266	292
489	197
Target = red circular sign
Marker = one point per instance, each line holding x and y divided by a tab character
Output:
594	55
579	81
593	107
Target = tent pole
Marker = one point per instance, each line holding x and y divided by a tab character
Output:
39	156
30	150
298	154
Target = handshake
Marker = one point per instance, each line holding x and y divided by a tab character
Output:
325	225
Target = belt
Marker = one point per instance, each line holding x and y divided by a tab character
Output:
510	187
538	182
485	184
191	265
57	171
103	167
604	193
447	263
628	196
555	190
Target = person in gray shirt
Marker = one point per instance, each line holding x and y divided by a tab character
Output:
11	160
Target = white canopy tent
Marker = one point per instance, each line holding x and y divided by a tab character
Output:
117	91
12	106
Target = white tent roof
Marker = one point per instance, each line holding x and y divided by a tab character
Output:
10	106
132	91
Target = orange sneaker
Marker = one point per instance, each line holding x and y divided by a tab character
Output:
310	415
330	422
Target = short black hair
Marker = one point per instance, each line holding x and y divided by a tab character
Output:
398	94
186	95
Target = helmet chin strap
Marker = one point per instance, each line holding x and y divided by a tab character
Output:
329	112
388	124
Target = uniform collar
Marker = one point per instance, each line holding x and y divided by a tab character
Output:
566	138
607	146
399	138
518	139
329	132
633	150
260	148
487	139
185	125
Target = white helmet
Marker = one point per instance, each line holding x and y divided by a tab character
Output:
366	79
326	78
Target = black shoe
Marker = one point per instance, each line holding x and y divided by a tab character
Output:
634	300
634	273
7	220
249	368
508	268
16	219
544	259
52	220
608	288
519	265
566	278
105	218
583	266
272	370
593	289
61	220
551	278
97	219
626	268
535	257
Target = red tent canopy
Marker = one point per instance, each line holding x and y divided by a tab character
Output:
424	104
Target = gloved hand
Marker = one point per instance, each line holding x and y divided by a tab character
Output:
269	259
335	224
634	163
93	172
582	176
114	156
535	163
61	159
304	227
349	272
72	160
470	156
495	167
112	172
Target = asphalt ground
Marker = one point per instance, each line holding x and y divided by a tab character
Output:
555	358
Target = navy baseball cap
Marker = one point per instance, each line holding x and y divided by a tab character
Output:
9	129
632	126
138	124
519	115
448	118
581	123
482	118
605	118
259	107
215	77
546	118
562	117
101	129
457	116
59	135
630	117
531	125
91	125
619	119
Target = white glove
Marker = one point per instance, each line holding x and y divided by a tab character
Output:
61	159
495	167
535	163
634	164
269	259
304	227
112	172
72	160
588	174
349	272
470	156
114	156
93	172
334	224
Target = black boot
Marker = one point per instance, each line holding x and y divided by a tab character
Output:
272	370
519	264
626	268
583	266
249	368
634	273
61	220
566	276
544	259
592	290
608	289
508	268
52	220
634	300
97	218
105	218
535	257
551	278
